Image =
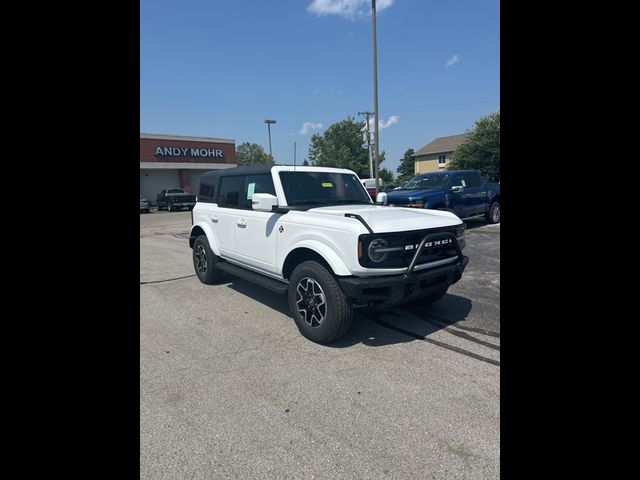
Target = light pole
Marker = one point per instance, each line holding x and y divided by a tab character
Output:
375	90
269	122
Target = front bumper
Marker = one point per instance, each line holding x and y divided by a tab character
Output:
383	292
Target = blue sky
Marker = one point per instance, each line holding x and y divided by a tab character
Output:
219	68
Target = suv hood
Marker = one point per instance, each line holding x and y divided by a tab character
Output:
393	219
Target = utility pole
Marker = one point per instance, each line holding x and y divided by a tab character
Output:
375	90
368	143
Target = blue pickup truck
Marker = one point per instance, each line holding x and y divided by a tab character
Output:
463	192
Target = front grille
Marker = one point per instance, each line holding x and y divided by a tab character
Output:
409	241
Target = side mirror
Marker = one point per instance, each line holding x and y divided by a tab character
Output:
263	202
381	199
457	189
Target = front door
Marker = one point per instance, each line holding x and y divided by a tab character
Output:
475	193
256	232
457	199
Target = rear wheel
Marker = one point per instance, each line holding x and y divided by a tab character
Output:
204	261
493	215
319	307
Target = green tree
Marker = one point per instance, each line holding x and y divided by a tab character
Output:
342	145
406	168
252	154
386	175
305	163
481	149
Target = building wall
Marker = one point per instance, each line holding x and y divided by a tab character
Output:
152	182
149	151
429	163
177	162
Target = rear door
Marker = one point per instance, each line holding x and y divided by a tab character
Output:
227	214
255	232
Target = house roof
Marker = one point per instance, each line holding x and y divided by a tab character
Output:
442	145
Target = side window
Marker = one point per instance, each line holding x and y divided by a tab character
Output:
231	189
257	184
207	193
162	193
458	181
472	179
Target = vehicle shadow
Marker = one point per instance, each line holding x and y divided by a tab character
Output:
402	324
475	222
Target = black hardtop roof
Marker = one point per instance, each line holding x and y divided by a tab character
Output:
246	170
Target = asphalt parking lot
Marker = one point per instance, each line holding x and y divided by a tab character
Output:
230	389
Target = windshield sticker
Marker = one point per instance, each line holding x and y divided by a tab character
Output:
250	189
327	184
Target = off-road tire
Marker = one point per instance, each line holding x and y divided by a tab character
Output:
493	215
339	309
211	274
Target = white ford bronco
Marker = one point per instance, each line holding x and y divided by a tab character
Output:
315	234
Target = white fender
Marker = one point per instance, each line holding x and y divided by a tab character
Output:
213	242
333	259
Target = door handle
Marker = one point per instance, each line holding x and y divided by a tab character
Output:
215	219
242	223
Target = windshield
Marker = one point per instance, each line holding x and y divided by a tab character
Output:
323	188
430	180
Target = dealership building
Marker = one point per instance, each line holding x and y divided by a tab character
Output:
172	161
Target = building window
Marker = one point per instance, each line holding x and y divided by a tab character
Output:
442	160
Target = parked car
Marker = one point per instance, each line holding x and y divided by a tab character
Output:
175	199
145	205
370	185
463	192
314	234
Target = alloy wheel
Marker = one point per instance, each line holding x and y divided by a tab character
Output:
311	302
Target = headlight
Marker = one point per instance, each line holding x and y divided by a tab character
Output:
460	230
374	250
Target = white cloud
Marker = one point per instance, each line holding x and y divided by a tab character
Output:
452	60
308	126
393	119
346	8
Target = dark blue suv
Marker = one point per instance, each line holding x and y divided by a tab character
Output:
463	192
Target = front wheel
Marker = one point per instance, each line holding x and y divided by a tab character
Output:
493	215
320	308
204	261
